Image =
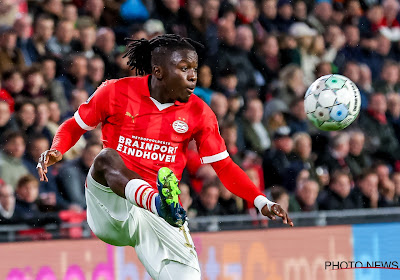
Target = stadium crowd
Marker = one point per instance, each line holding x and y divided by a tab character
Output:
259	58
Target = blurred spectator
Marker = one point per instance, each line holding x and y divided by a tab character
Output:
312	48
275	114
171	15
370	22
351	50
5	124
338	13
336	156
277	159
365	84
6	97
76	76
11	165
387	192
269	54
54	8
87	38
41	121
382	170
25	114
298	121
229	133
7	202
280	196
34	83
230	56
357	160
42	33
305	197
60	44
323	68
23	28
219	105
284	17
13	83
302	159
27	193
255	133
293	86
389	78
72	176
337	196
185	196
96	71
365	194
300	11
228	81
268	12
53	88
321	15
95	8
10	56
207	202
390	25
229	203
393	112
70	12
8	12
204	81
382	142
396	180
54	118
105	46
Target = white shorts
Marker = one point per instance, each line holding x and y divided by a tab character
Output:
118	222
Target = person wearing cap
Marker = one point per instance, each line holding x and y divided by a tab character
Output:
10	56
276	160
153	28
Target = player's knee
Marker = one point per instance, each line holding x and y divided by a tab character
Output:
105	159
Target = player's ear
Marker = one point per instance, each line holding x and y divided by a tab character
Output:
158	72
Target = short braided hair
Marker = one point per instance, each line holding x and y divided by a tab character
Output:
140	51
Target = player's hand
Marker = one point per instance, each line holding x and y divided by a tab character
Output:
46	159
276	210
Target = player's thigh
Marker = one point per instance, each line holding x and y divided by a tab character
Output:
107	214
158	241
177	271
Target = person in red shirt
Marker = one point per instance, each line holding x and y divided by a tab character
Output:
147	123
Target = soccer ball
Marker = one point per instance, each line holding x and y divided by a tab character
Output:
332	102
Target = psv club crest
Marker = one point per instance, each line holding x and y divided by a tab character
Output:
180	126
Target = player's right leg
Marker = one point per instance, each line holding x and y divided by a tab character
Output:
176	271
110	170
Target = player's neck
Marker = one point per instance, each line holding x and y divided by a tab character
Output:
157	90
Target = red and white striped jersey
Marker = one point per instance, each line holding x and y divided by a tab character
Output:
147	134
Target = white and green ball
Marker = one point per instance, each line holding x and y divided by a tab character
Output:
332	102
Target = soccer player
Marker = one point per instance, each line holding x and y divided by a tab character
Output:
147	123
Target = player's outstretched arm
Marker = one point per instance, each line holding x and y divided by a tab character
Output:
237	181
66	137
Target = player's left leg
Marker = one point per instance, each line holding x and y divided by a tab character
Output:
159	242
177	271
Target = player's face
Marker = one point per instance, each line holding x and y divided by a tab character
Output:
181	75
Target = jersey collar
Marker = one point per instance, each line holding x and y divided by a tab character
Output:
146	92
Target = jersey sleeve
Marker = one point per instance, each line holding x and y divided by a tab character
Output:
209	142
97	108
